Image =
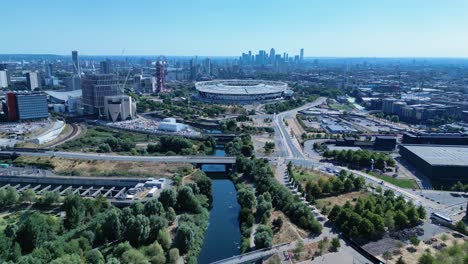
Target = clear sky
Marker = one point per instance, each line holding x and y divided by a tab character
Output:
349	28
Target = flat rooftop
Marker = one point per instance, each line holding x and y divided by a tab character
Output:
441	154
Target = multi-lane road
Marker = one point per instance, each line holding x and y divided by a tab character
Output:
291	150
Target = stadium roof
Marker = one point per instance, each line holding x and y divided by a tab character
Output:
441	154
244	87
63	96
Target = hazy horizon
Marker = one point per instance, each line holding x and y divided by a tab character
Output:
336	28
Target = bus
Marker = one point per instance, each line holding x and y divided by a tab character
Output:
441	218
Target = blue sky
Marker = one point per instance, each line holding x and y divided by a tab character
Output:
348	28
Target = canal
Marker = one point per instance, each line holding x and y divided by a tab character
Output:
222	239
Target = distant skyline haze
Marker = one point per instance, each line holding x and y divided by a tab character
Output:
334	28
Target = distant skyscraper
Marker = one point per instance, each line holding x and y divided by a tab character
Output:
207	66
272	56
302	55
76	62
95	87
106	67
161	71
48	69
32	79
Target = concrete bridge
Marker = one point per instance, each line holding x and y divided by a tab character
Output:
254	255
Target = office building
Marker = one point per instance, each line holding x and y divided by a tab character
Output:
436	138
3	79
26	106
73	83
144	84
272	56
94	88
48	69
119	108
443	163
76	62
33	81
105	67
302	55
386	143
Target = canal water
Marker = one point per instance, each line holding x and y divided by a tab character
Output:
222	238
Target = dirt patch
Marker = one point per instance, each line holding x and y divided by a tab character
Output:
307	253
412	257
288	232
78	167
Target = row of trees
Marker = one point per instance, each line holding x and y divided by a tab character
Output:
259	171
10	197
372	216
361	158
247	201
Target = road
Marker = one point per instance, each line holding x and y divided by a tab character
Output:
291	151
164	159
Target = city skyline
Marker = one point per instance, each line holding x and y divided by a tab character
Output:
209	28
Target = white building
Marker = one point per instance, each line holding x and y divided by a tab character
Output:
3	79
170	124
32	78
119	108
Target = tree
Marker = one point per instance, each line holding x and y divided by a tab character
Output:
50	198
155	253
401	221
164	239
246	198
112	225
461	226
170	215
421	212
153	207
277	223
28	196
186	200
137	230
184	238
168	198
247	150
414	240
387	255
335	244
75	211
173	256
400	261
94	257
426	258
67	259
35	231
133	256
137	208
11	196
263	237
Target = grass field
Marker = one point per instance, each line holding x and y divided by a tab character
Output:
304	175
77	167
403	183
344	107
339	200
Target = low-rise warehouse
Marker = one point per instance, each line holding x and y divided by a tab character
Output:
438	162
